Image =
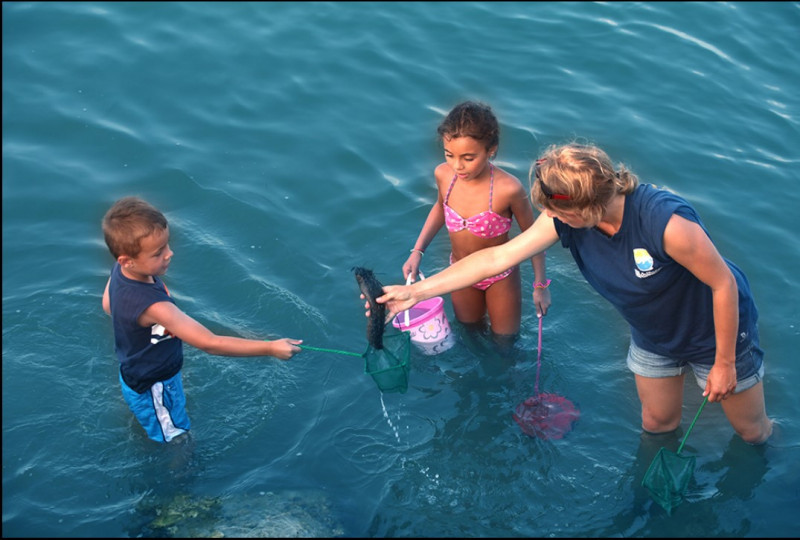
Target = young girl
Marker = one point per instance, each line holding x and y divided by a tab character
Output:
477	202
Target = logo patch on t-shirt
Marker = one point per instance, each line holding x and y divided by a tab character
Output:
644	263
158	333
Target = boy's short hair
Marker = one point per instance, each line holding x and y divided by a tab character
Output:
127	222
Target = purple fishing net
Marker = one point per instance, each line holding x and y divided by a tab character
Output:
546	416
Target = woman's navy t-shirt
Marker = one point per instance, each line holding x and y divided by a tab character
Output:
669	310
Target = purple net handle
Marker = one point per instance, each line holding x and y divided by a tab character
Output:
538	359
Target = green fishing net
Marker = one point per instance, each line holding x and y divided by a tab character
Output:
668	477
388	366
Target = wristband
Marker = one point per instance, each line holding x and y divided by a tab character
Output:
420	251
540	285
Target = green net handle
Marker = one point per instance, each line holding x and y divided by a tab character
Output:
696	416
306	347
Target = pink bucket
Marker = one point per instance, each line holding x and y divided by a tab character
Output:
428	325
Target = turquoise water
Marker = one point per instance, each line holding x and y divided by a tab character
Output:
289	142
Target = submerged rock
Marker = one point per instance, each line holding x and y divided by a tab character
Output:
263	515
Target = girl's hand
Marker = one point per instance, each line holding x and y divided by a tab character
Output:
541	299
411	267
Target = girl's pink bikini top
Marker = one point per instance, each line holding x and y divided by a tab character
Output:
487	224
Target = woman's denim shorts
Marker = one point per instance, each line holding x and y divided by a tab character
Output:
749	366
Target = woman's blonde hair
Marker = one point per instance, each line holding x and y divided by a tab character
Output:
580	178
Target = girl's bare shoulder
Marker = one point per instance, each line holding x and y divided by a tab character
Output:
443	174
506	183
443	170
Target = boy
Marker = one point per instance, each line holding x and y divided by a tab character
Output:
149	329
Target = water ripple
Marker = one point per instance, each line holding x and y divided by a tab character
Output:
289	141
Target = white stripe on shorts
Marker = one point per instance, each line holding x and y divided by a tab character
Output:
167	427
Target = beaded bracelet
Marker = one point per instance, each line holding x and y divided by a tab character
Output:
540	285
420	251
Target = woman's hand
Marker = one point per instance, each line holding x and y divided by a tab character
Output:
396	297
721	381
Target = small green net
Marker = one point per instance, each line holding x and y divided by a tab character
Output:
668	477
388	366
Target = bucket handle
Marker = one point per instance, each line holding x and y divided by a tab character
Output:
408	282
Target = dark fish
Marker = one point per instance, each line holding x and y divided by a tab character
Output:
371	288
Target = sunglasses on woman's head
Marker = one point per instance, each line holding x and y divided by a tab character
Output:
547	193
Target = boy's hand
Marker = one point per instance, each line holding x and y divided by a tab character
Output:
285	348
